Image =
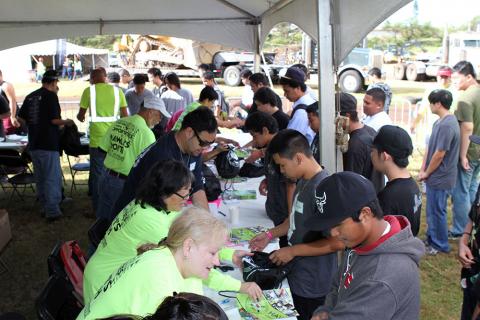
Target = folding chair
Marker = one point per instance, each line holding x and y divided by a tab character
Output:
97	231
15	168
57	300
77	167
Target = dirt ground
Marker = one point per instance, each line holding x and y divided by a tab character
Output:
33	239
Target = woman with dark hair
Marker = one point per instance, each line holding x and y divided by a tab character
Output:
160	197
175	98
183	306
188	306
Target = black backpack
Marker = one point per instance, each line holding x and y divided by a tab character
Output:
70	141
228	164
261	270
212	186
252	170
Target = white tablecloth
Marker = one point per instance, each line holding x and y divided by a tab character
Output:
19	143
252	213
14	142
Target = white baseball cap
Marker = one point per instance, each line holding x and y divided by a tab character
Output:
152	102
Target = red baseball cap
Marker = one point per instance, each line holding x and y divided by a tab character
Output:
444	72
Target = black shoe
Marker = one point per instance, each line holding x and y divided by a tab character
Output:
54	218
454	236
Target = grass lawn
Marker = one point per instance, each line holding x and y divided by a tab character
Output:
33	238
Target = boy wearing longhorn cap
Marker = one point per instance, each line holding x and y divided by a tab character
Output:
378	277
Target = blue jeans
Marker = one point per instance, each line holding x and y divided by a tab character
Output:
48	179
110	188
463	195
437	225
96	171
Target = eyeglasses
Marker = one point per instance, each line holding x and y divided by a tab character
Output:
201	142
185	197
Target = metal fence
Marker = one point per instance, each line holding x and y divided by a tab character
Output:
402	112
70	111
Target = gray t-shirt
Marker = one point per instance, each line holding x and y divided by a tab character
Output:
276	204
134	100
176	100
310	277
445	137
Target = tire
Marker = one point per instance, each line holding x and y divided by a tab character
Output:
350	81
399	71
412	74
231	76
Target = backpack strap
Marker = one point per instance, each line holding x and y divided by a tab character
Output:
74	263
298	107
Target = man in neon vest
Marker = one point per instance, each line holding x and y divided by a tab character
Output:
105	104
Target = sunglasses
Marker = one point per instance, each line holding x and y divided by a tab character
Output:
201	142
185	197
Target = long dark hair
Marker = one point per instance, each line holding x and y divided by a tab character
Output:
162	180
188	306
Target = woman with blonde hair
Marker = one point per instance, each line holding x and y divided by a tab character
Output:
177	264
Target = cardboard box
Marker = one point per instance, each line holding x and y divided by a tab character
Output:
5	231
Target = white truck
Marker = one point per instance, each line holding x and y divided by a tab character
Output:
461	46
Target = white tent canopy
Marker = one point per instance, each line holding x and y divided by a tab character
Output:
16	62
49	48
243	24
230	23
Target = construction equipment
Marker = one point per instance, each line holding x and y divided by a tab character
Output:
183	56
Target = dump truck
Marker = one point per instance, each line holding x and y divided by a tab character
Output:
140	52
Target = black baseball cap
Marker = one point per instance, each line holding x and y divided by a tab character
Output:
113	77
348	103
49	76
295	74
395	141
338	197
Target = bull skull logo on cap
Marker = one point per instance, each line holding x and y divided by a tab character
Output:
320	201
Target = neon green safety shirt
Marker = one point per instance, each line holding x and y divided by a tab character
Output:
139	286
105	107
124	141
133	227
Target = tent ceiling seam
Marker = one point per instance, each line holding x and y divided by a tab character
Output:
236	8
128	21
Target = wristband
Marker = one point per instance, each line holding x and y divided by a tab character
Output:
269	234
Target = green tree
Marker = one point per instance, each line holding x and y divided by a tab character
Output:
100	42
413	33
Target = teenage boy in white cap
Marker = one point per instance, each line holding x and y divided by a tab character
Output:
123	142
378	277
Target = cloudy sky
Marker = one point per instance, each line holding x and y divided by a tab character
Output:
439	12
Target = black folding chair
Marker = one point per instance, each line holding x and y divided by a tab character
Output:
97	231
57	300
16	172
76	168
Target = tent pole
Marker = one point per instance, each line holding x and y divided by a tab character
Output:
326	102
93	61
257	56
